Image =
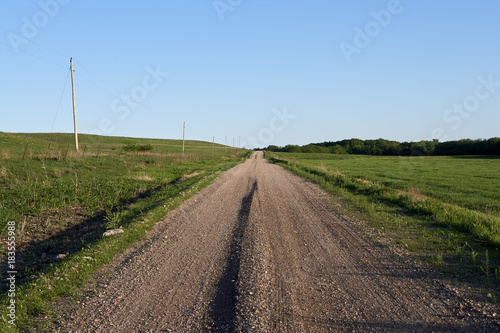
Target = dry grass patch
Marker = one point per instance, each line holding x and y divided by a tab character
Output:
416	194
322	167
364	181
5	155
192	174
59	173
143	177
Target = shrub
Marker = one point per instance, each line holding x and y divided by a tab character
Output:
136	147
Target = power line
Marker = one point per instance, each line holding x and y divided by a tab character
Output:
39	45
34	56
114	94
98	77
60	100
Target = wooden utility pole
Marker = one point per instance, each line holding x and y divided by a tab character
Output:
183	136
74	105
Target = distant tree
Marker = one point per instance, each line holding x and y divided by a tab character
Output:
292	149
355	146
338	149
313	148
389	147
394	148
273	148
493	146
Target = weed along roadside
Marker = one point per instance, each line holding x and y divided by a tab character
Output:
63	204
423	214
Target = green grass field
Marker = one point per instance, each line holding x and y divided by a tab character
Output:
41	175
443	210
62	202
468	181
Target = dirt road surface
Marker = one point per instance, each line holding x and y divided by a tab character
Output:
261	250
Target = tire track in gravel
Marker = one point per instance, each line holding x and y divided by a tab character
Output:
261	250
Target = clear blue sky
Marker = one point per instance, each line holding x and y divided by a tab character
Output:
273	72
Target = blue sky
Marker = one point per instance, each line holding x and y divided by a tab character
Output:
270	72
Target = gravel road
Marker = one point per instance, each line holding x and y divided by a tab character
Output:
261	250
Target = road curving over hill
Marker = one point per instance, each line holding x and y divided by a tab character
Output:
261	250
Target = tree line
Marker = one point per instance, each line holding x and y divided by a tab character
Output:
384	147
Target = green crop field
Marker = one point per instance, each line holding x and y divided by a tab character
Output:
443	210
467	181
62	201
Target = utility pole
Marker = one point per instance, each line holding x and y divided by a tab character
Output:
233	141
74	105
239	143
183	136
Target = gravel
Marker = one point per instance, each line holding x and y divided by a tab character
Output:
261	250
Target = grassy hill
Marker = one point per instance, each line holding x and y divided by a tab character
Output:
42	172
38	144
